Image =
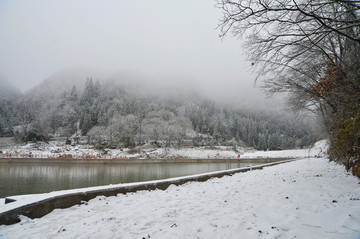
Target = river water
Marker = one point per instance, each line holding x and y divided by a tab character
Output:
30	178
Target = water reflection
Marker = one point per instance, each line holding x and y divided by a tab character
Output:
21	178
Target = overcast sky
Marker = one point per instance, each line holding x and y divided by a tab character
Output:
159	38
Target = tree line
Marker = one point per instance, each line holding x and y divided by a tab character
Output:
111	116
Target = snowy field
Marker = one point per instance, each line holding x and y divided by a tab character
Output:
308	198
319	149
56	149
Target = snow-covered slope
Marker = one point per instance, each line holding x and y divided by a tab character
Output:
319	149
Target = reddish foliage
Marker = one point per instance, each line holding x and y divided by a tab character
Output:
327	83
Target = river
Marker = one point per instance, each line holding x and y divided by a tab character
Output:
31	178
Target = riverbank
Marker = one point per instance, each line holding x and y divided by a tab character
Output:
308	198
85	153
38	205
136	161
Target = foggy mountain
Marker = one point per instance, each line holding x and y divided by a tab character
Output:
63	80
7	90
244	96
128	110
166	78
9	97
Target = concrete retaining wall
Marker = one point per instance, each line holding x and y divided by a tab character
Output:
43	207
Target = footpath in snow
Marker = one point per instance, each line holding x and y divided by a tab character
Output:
308	198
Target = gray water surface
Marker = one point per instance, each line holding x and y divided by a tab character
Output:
30	178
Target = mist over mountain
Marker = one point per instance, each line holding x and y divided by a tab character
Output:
239	95
9	97
129	110
63	80
166	78
7	90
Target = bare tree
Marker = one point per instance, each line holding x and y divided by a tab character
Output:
294	43
311	50
279	31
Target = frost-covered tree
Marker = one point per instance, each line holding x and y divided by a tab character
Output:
129	120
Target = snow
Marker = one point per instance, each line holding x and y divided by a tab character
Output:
307	198
22	200
319	149
194	153
56	149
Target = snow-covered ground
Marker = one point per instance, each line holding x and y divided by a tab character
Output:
307	198
56	149
320	149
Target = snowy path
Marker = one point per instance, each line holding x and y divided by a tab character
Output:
309	198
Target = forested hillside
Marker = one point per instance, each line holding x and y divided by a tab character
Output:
112	114
9	106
